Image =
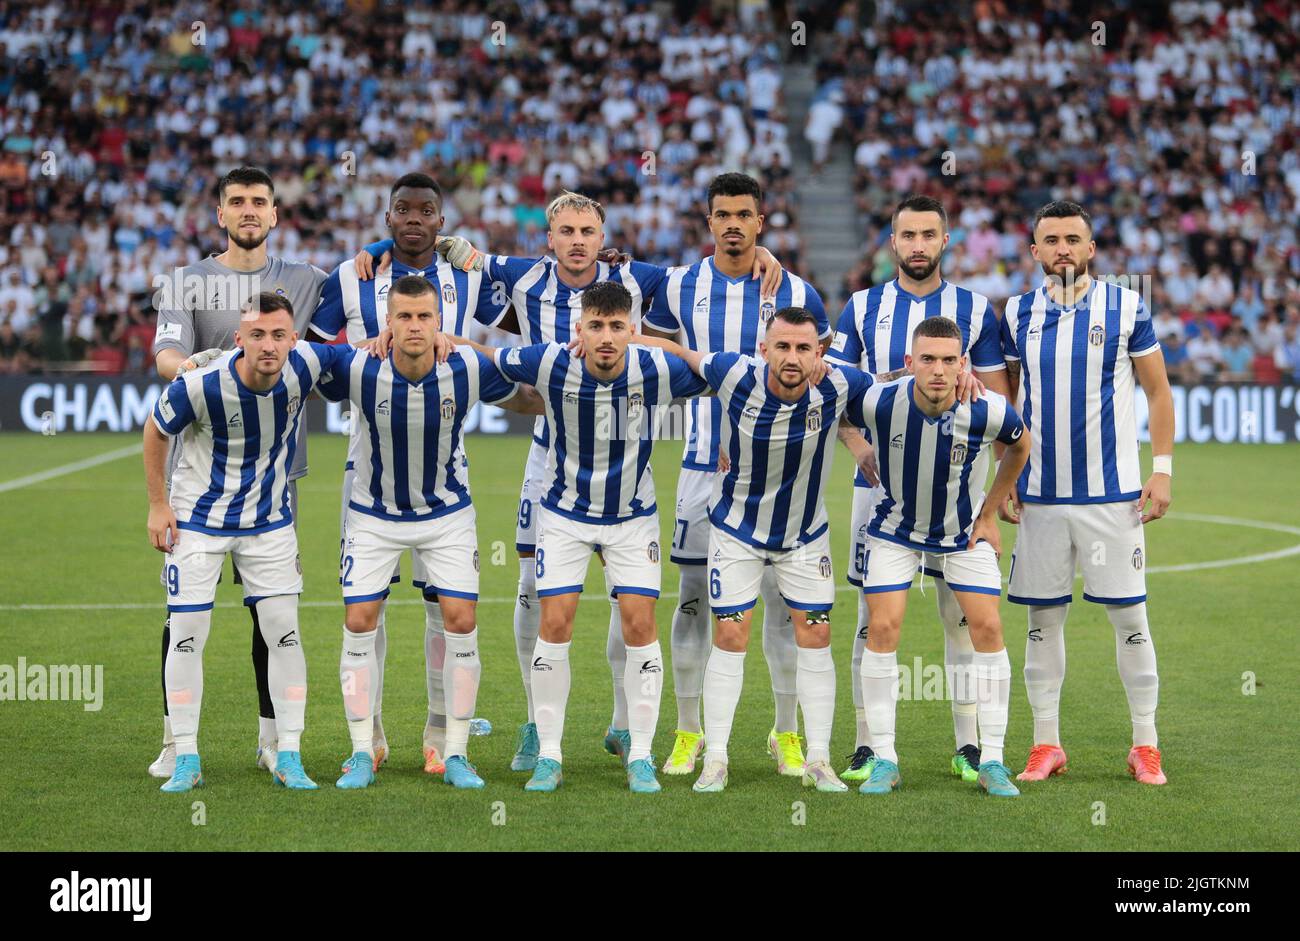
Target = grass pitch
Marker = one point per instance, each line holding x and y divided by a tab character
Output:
80	586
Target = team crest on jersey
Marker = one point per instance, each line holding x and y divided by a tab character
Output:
449	294
767	309
1137	559
751	412
382	408
448	408
814	420
824	566
652	551
1097	335
294	402
634	403
959	453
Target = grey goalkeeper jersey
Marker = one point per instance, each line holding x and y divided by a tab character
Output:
198	309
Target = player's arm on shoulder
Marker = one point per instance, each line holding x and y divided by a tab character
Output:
525	400
380	252
1150	369
173	340
769	270
328	318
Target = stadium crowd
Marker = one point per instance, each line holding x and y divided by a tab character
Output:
118	118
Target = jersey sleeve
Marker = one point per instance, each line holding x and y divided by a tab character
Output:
1143	338
649	277
858	408
376	249
715	366
520	363
493	300
507	269
683	380
329	317
335	372
1012	427
173	411
847	345
986	352
492	386
660	316
813	301
1008	334
175	327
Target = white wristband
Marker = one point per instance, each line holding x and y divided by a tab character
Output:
1163	464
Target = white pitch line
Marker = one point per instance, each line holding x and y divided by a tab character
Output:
844	589
72	468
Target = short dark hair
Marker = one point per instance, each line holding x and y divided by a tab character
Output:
416	181
607	297
266	303
940	327
1062	209
244	176
918	203
796	316
735	184
412	285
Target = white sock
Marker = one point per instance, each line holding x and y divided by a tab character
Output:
1135	654
958	657
528	616
879	677
992	698
1045	670
781	653
184	677
277	618
690	644
265	731
461	673
816	682
381	651
357	678
551	693
859	645
724	675
168	738
435	655
616	654
643	679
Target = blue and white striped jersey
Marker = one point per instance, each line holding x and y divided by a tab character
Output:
710	312
598	461
408	434
236	445
362	306
547	308
780	451
925	463
1076	367
874	331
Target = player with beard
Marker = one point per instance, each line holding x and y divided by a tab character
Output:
1078	344
874	334
198	318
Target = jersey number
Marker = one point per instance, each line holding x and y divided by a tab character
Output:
860	556
715	585
173	580
347	571
679	535
525	513
541	568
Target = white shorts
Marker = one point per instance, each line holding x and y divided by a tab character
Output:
530	499
865	500
691	526
892	566
349	476
445	545
1105	540
803	574
267	564
630	550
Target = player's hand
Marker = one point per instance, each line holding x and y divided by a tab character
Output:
1157	491
163	532
986	529
613	256
1009	512
867	463
380	345
459	252
365	265
442	346
724	463
769	269
968	387
819	370
577	347
198	360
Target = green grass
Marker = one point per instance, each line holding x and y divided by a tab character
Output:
76	780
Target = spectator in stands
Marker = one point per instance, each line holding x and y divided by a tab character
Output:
1237	357
1206	354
